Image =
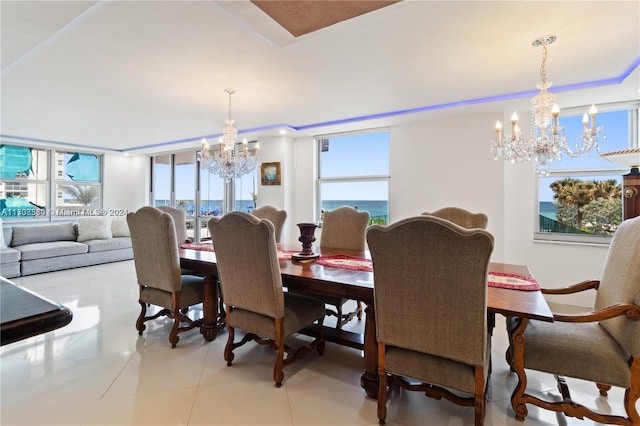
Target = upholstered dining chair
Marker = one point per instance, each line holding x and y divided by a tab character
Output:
157	264
277	217
343	228
180	221
461	217
439	341
600	346
249	271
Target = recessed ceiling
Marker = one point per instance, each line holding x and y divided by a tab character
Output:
150	75
304	17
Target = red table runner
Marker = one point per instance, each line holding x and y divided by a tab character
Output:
495	279
282	254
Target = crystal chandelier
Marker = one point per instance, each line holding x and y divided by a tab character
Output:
547	141
230	159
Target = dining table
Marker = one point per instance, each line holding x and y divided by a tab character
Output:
348	274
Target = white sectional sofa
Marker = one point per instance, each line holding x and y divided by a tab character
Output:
37	248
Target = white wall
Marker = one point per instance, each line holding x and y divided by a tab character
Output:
304	183
442	163
278	149
126	181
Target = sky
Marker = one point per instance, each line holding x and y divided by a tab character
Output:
615	136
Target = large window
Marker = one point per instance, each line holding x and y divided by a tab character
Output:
178	181
45	184
77	182
245	189
581	200
353	170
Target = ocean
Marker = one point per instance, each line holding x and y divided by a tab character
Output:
378	209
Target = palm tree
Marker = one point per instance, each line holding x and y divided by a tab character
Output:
572	195
82	194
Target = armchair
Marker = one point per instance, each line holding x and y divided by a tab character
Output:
418	337
600	346
247	262
180	221
345	228
461	217
277	217
157	263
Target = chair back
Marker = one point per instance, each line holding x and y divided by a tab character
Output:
277	217
620	283
461	217
344	228
247	261
179	220
155	249
430	287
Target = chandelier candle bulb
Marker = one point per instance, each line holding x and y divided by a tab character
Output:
592	113
555	111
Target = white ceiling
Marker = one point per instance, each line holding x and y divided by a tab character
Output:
140	76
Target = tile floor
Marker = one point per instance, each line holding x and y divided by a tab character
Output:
97	371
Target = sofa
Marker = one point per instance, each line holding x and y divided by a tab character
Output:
36	248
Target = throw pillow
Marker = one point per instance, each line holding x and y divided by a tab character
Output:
119	227
94	228
3	244
30	234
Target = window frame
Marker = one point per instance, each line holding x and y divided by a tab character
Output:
63	211
52	211
347	178
633	109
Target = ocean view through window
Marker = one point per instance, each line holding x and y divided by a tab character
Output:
353	170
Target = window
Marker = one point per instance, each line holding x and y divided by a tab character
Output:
43	183
24	181
174	178
245	188
161	180
581	200
353	170
77	183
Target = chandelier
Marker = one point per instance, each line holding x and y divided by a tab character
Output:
230	159
546	142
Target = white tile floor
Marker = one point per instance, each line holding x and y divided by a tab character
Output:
97	371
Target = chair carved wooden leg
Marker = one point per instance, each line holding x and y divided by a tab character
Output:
632	394
603	389
480	397
278	374
173	335
382	387
140	321
228	349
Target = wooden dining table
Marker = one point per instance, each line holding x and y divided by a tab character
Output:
357	285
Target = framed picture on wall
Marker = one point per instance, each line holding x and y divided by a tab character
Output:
270	173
